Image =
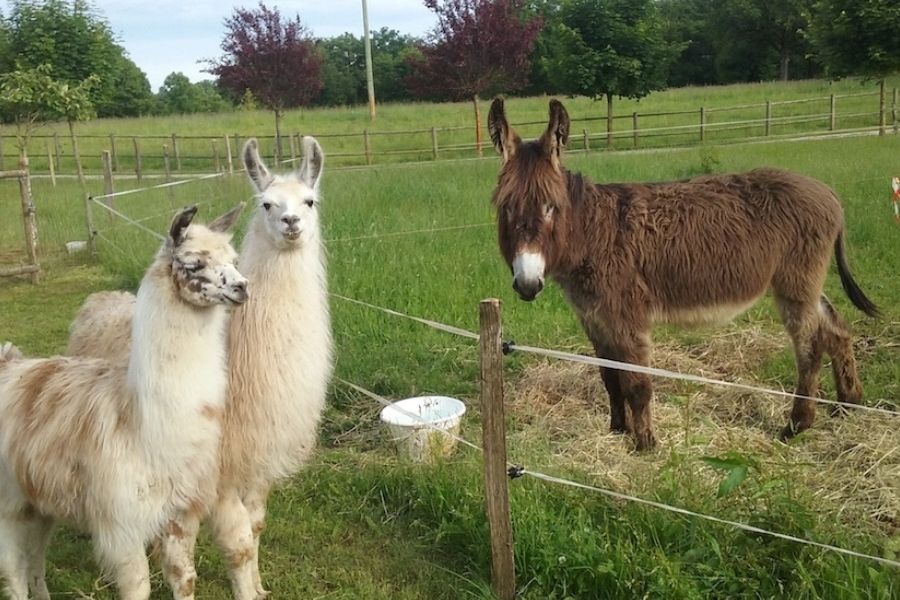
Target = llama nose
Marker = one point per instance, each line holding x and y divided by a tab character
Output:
239	292
290	220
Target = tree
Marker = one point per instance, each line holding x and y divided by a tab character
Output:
275	59
344	70
76	42
606	48
478	47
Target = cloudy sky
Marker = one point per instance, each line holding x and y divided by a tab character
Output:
163	36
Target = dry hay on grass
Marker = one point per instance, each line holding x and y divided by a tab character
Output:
851	465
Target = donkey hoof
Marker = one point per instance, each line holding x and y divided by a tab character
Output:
791	430
644	441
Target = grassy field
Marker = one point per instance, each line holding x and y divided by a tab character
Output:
732	112
359	523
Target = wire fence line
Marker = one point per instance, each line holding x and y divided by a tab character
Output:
516	471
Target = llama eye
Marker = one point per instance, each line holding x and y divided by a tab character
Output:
267	205
309	202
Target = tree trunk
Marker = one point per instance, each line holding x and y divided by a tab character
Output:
609	121
784	71
77	154
277	136
477	125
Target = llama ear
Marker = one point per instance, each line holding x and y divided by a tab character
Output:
557	134
256	170
313	162
227	221
505	139
180	224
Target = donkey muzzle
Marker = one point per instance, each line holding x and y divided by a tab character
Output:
528	274
528	290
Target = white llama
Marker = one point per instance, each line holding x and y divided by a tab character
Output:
116	449
280	365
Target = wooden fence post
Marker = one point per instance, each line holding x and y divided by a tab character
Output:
587	140
176	153
634	128
57	147
702	123
503	574
113	154
881	111
228	160
168	169
768	117
76	153
107	176
50	164
28	218
894	110
367	147
137	158
215	149
833	116
293	145
434	144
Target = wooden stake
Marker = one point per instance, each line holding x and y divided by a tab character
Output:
113	154
50	164
176	152
28	219
168	169
833	116
634	128
503	574
107	178
137	158
229	160
768	117
702	123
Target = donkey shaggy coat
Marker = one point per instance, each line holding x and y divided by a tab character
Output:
114	449
703	250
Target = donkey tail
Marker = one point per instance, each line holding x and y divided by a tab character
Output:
851	288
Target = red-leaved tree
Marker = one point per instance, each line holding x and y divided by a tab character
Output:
275	59
478	47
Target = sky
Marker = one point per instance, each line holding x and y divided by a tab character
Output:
165	36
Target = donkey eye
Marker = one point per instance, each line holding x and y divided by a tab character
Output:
267	205
309	202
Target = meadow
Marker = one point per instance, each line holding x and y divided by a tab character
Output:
362	523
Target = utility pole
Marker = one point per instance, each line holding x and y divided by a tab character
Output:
370	79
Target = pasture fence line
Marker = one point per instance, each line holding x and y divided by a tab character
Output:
180	153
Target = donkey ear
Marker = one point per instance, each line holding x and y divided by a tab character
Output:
557	134
180	224
505	140
313	161
227	221
256	170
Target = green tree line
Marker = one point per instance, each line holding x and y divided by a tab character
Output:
599	48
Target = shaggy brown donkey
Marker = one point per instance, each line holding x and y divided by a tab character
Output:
703	250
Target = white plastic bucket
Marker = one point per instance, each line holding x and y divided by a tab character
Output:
405	421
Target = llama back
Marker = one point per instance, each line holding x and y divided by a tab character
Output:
102	327
281	359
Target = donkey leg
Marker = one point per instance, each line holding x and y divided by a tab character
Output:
618	418
233	533
177	553
838	344
255	501
802	322
636	388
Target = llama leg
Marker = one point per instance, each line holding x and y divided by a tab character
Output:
835	335
177	552
38	530
802	322
637	389
13	557
233	532
127	562
255	502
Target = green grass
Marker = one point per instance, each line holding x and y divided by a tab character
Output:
360	524
340	129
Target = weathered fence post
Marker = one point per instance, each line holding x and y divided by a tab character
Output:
587	140
894	110
702	123
881	110
228	160
107	176
768	117
57	147
293	145
478	144
29	220
113	154
215	149
76	153
168	169
367	147
176	153
833	115
50	164
137	158
434	144
503	574
634	128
